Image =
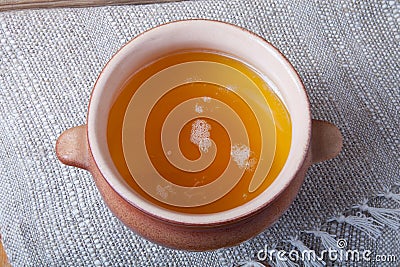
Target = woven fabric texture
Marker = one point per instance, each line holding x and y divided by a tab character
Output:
346	52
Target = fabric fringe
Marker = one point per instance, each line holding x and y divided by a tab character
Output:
281	261
284	263
389	195
372	225
388	217
328	241
251	264
368	225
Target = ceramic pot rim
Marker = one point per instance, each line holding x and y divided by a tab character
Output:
252	48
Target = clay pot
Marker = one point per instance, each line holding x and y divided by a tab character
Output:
86	146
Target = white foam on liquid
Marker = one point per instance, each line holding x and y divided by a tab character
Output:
206	99
200	134
198	108
241	155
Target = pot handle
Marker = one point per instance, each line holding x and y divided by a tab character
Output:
72	147
326	141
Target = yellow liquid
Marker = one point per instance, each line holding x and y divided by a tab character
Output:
240	193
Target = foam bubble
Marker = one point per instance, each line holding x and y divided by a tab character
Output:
200	134
206	99
198	108
241	155
161	191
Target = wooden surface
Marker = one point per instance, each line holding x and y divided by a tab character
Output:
3	257
24	4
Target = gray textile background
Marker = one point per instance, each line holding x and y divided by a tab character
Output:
346	52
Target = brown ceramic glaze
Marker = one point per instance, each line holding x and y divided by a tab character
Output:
72	149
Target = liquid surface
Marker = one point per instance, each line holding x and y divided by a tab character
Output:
203	141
